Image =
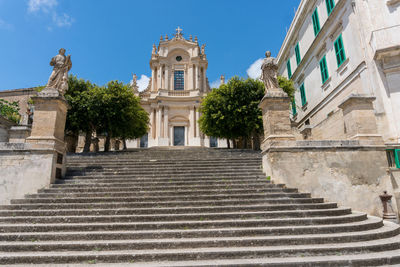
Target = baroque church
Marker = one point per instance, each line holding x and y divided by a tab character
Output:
177	86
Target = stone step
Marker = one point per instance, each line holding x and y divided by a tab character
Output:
71	183
354	249
144	192
159	198
155	187
357	228
75	167
185	243
171	171
118	173
296	203
354	217
168	178
244	215
63	211
163	160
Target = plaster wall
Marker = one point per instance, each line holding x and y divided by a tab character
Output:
352	177
24	172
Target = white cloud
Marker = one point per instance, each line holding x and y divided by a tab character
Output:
216	83
41	5
49	7
5	26
62	20
254	71
142	83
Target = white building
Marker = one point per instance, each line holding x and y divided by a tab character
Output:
335	48
174	94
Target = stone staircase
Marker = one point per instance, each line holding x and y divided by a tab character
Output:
186	207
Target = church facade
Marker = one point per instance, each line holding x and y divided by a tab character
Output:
172	99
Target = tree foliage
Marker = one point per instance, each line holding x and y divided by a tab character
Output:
231	111
79	101
121	115
287	86
10	110
112	110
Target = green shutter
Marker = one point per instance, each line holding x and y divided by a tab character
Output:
303	95
324	70
297	51
397	157
315	21
289	69
294	110
330	4
339	51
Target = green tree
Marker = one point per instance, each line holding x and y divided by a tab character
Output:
80	117
121	115
287	86
10	110
231	111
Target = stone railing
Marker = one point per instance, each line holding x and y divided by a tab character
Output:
178	93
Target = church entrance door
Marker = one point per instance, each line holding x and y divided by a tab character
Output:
179	135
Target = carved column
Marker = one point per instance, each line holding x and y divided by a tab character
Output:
167	77
159	122
195	81
165	122
197	122
191	120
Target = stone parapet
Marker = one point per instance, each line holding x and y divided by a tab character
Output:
19	133
25	169
349	172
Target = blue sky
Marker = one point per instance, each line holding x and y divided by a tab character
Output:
110	40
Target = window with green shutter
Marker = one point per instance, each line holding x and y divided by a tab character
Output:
324	69
330	4
339	51
303	95
315	21
289	69
294	110
297	52
393	157
397	157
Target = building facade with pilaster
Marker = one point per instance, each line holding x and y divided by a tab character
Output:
336	49
177	86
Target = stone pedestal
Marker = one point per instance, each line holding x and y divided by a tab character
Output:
48	127
359	118
275	108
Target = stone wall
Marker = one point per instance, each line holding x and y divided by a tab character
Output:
345	172
332	128
24	170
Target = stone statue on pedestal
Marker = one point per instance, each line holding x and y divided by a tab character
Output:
269	70
59	77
